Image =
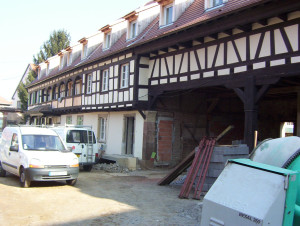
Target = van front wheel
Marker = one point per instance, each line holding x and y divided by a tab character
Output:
23	181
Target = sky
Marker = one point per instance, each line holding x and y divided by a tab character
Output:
26	24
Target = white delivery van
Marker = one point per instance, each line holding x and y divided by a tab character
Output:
36	154
82	141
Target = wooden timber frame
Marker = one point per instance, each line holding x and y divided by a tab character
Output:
251	84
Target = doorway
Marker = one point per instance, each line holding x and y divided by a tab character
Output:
129	135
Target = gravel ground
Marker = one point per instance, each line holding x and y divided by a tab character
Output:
108	195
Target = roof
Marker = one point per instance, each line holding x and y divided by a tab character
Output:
4	102
29	66
195	14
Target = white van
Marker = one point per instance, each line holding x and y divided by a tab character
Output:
82	141
36	154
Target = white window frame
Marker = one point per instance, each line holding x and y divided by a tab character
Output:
212	3
78	85
80	120
84	51
124	83
165	14
61	63
47	68
69	59
102	129
107	40
131	26
105	77
69	119
89	82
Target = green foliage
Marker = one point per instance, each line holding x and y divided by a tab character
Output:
22	91
58	40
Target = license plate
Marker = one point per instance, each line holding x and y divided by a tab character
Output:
61	173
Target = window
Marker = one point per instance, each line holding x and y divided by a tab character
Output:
102	129
61	63
214	3
80	120
55	92
69	59
80	136
89	83
124	75
69	120
14	140
38	100
133	29
168	14
105	80
47	69
107	40
18	104
70	89
62	90
49	94
78	85
84	51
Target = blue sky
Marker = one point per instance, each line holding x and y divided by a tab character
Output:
26	24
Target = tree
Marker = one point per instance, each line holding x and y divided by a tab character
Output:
22	91
58	40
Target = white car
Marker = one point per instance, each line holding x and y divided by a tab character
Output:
36	154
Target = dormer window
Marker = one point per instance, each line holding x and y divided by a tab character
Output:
47	67
61	60
107	36
214	3
166	12
133	29
107	40
132	25
84	51
69	55
39	72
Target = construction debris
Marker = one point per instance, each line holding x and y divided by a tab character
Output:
111	168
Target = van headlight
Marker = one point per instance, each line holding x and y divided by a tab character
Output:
74	163
36	163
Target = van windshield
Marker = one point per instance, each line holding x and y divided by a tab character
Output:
42	142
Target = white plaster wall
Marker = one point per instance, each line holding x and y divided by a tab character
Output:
115	123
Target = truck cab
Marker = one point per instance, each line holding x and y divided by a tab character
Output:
82	141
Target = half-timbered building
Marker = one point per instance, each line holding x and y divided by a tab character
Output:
172	71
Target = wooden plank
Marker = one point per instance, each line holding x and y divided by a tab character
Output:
183	165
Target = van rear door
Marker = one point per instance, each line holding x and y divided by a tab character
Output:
77	139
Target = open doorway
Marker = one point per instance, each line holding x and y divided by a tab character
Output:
129	135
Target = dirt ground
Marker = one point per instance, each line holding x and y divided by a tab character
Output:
98	198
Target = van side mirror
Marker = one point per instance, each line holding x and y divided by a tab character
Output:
14	148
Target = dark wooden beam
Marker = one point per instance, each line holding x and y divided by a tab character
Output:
263	22
283	16
142	114
187	44
245	27
201	39
214	36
